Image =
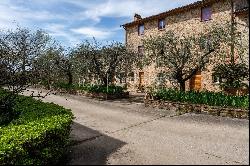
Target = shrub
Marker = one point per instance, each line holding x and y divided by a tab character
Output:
233	74
38	136
7	113
112	89
208	98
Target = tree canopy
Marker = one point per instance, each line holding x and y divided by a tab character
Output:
184	55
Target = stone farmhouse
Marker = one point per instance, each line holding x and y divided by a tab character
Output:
186	19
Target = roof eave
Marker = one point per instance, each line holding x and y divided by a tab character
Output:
171	12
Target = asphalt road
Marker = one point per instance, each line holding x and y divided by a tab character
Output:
125	132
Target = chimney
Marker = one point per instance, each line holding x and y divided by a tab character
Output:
137	17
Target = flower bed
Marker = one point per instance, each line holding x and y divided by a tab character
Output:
198	108
207	98
200	102
38	135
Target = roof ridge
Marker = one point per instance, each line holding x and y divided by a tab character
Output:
171	11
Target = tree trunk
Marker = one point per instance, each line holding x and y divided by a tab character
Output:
48	84
70	78
104	81
180	80
182	85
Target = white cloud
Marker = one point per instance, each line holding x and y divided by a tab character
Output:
127	8
90	32
93	9
58	17
59	30
11	11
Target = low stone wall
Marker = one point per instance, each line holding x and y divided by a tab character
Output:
107	96
98	95
197	108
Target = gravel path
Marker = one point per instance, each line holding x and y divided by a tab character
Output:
125	132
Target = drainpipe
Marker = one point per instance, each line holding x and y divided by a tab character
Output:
232	31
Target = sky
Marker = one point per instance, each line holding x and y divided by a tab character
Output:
73	21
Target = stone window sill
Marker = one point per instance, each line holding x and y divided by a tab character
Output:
216	83
206	20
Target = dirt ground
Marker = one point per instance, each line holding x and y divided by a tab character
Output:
125	132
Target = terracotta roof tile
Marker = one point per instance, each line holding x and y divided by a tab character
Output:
172	11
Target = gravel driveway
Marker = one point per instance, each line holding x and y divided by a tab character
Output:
125	132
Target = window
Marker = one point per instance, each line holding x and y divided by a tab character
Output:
141	50
206	13
141	29
161	24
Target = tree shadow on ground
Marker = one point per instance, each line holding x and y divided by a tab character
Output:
89	147
133	98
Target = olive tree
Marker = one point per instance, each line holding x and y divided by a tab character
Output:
184	55
18	50
65	65
47	66
105	61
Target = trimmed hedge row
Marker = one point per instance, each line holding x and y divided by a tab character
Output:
111	90
208	98
38	136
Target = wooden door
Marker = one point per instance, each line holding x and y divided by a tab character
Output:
195	82
141	79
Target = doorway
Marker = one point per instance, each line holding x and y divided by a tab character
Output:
141	79
195	82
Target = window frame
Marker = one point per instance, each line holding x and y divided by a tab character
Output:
140	25
164	21
211	13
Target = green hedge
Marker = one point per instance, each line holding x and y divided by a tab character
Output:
208	98
112	89
38	136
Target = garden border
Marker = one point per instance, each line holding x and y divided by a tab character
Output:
197	108
96	95
105	96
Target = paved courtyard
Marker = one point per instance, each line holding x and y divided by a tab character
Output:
125	132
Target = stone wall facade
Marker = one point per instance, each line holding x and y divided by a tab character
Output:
186	22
